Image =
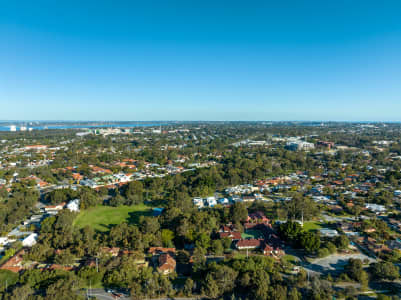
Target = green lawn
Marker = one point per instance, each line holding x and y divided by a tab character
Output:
312	225
239	255
290	258
102	218
252	234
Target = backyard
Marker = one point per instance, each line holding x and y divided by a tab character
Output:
252	234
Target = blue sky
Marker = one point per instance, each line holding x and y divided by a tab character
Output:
200	60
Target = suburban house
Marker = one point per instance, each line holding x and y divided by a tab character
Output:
161	250
376	208
233	235
30	240
249	244
258	217
166	264
163	259
56	207
15	263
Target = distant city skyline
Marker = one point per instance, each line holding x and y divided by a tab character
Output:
206	61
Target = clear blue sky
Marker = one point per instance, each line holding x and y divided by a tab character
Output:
200	60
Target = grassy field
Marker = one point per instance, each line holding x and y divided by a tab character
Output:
102	218
290	258
312	226
252	234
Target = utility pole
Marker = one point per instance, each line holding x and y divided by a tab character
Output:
302	221
97	265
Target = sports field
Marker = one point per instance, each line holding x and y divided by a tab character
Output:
252	234
102	217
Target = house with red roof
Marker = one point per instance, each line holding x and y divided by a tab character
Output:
15	263
167	264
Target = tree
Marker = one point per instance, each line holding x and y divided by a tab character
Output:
226	242
217	247
136	291
294	294
20	292
211	288
354	269
134	192
219	280
199	257
88	198
90	275
301	207
342	241
117	200
7	278
278	292
167	237
261	285
203	240
239	212
64	289
310	241
64	258
385	270
290	231
149	225
188	287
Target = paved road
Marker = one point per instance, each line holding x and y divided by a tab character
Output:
103	295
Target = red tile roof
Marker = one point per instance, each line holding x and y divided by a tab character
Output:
166	263
251	243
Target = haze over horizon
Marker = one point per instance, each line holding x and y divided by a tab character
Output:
180	60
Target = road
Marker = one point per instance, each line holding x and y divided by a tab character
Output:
101	294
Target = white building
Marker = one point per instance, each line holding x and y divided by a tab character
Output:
198	202
211	201
88	182
328	232
4	241
223	201
30	240
300	145
73	205
375	207
121	177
